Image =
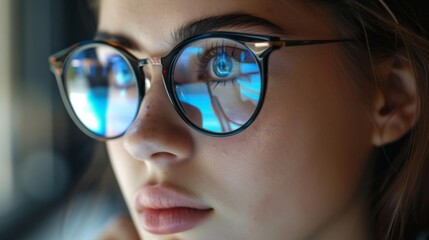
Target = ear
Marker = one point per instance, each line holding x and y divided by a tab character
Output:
395	102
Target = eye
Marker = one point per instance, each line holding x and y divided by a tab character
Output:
220	64
223	65
215	62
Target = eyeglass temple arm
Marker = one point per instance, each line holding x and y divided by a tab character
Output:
56	60
55	65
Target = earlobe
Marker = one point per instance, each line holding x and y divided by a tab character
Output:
395	111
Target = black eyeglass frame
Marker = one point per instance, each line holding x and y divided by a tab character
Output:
59	62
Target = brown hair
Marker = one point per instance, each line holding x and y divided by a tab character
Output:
399	189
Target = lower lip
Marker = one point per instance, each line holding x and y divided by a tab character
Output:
171	220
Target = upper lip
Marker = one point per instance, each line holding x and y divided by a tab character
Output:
164	197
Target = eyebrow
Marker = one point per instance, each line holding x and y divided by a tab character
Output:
233	21
122	40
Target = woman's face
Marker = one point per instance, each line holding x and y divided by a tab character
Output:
294	173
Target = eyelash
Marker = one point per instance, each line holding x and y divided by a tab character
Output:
212	52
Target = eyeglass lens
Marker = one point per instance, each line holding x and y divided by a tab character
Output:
102	89
216	82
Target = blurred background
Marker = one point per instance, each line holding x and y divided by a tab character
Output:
45	187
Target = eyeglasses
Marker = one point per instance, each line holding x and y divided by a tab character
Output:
215	81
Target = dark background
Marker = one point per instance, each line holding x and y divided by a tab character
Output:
49	155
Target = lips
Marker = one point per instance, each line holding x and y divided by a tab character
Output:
164	210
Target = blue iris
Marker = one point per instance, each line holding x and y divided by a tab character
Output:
222	66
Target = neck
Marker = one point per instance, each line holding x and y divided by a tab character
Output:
352	224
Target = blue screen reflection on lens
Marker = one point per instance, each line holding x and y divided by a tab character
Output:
218	84
196	95
102	89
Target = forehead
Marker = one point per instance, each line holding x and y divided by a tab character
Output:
150	23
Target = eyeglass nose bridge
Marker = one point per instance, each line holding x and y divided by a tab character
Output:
148	62
153	61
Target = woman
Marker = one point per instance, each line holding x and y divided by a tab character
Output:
260	119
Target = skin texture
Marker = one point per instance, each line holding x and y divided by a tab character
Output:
295	173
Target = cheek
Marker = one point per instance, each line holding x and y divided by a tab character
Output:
128	172
302	160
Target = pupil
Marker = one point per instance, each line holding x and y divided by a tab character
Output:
222	66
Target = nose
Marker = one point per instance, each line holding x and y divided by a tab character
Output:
158	134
